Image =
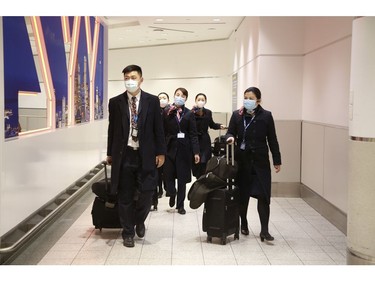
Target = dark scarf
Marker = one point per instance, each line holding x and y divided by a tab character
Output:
198	111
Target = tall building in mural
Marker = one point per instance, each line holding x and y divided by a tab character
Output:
81	93
98	105
86	95
77	95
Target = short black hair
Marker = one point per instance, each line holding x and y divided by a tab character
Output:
131	68
255	90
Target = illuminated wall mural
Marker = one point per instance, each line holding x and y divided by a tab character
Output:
60	57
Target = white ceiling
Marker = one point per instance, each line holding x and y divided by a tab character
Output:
130	32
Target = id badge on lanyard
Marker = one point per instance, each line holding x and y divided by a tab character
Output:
243	143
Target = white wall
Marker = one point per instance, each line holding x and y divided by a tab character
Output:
38	167
325	107
198	67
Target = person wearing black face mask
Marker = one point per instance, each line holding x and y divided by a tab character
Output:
252	129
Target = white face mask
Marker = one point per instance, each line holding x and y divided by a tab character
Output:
200	104
179	101
250	104
163	103
131	85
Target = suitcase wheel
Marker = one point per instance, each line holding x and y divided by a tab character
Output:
237	236
224	239
209	239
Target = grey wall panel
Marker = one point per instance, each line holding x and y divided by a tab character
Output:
336	142
312	156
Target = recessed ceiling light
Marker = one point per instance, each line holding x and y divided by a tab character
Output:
159	20
216	20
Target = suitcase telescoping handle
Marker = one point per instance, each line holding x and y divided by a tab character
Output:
230	182
107	203
106	175
231	154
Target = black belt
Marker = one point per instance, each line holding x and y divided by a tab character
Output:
132	148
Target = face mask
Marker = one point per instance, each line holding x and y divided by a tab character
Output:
179	101
163	103
200	104
249	104
131	85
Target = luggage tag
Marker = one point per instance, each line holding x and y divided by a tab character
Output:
243	145
181	135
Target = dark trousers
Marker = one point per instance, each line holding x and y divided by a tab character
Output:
134	205
181	191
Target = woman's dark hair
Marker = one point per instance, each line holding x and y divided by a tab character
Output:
256	92
201	94
131	68
184	92
163	93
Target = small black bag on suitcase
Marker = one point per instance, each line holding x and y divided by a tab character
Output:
104	210
221	209
218	147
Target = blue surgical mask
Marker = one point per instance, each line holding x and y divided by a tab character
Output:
179	101
250	105
131	85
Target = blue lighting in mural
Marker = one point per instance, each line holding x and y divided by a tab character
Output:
19	70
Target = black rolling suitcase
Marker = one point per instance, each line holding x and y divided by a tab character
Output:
221	210
104	210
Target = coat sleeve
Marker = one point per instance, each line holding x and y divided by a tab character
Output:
232	127
272	141
110	128
212	124
193	134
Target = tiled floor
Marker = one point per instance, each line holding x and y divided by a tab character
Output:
302	237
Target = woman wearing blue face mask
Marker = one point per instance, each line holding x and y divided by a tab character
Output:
182	142
252	129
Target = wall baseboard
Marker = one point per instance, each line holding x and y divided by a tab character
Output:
330	212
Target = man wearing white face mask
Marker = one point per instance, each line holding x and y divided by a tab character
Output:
182	145
135	149
252	129
203	117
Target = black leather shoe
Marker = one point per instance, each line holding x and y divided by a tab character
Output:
172	201
129	242
245	230
140	229
266	236
181	211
